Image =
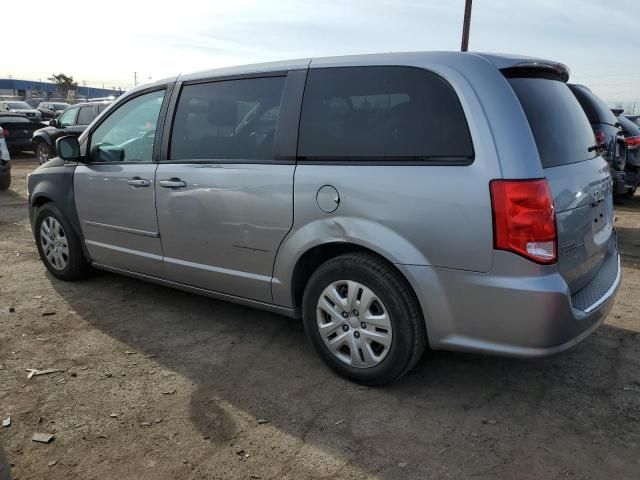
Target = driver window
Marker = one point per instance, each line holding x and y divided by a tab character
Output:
128	134
67	118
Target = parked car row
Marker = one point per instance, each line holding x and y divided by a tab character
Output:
50	110
397	201
616	142
71	122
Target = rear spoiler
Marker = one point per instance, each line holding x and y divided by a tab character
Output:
538	69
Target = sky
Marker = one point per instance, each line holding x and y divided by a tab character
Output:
104	42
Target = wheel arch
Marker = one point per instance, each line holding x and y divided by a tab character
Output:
53	183
41	138
309	261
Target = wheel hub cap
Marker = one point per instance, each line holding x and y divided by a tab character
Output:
53	241
363	336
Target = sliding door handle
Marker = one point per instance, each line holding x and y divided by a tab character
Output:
173	183
139	182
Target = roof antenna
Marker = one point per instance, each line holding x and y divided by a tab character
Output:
466	25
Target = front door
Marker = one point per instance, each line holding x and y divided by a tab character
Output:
224	205
115	190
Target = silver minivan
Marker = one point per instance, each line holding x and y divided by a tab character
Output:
394	202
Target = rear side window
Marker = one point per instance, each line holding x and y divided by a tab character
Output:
86	115
382	113
559	125
230	119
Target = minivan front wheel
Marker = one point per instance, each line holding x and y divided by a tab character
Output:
362	318
58	245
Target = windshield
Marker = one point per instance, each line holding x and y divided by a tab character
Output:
60	106
19	105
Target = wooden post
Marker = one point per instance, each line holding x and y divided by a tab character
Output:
466	26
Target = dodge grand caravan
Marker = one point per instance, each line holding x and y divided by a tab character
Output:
393	202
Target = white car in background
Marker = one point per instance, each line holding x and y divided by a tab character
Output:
5	165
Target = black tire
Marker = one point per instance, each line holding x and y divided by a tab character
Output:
631	192
5	181
76	266
43	152
409	332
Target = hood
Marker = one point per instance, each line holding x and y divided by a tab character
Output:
25	110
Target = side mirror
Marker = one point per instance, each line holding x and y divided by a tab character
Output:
106	153
53	123
69	149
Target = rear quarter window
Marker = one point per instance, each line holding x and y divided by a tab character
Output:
382	113
560	127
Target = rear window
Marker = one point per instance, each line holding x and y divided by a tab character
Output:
558	123
382	113
7	119
629	128
596	110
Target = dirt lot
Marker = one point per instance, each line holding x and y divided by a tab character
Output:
160	384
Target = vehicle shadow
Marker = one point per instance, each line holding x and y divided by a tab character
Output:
453	415
628	204
9	198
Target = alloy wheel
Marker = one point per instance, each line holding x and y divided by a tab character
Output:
43	154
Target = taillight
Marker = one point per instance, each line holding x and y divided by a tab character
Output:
5	133
600	139
524	220
632	142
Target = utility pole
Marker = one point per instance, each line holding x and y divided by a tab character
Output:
466	26
135	79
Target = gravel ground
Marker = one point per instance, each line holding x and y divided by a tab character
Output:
160	384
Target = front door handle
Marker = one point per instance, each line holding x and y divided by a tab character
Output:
173	183
139	182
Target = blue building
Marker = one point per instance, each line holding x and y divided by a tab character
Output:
46	90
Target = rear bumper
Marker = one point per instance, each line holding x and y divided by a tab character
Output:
619	182
19	143
518	309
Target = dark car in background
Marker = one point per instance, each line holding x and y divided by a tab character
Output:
51	110
634	118
608	135
71	122
19	106
17	130
34	101
631	132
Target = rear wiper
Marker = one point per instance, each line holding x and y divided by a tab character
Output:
596	148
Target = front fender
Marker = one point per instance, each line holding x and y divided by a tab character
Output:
339	229
41	137
53	182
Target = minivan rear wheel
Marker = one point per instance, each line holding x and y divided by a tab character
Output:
363	319
58	245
